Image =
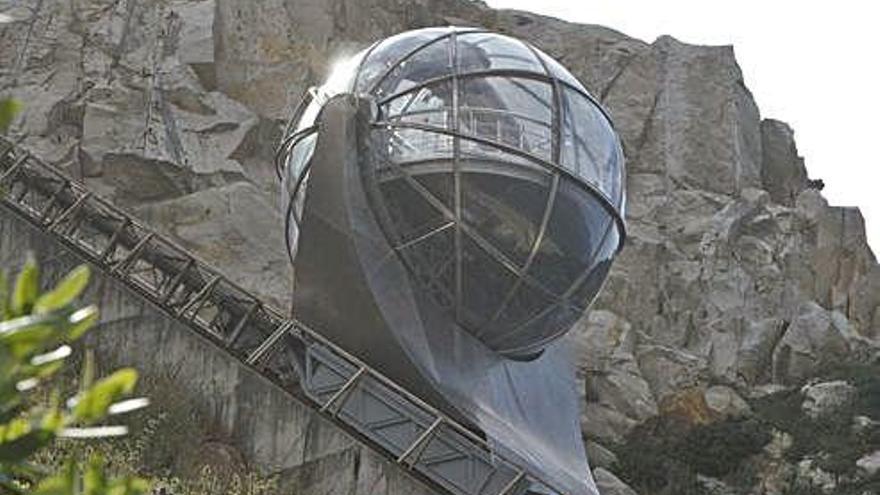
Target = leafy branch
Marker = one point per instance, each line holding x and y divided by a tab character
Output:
36	334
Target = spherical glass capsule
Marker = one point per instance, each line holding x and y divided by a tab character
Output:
495	176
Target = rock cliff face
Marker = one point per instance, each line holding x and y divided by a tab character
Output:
739	284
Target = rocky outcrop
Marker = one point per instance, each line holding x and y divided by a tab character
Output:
737	278
824	399
609	484
231	226
815	338
783	173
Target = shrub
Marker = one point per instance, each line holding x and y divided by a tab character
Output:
36	334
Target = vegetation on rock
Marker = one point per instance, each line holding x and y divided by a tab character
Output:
174	446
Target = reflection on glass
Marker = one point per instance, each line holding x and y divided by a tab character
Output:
496	178
431	62
589	148
483	51
505	211
510	111
388	52
574	232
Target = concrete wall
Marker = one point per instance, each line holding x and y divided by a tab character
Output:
275	431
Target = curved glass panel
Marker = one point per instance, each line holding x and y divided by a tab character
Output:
295	184
473	154
485	51
412	216
341	80
575	232
589	145
430	105
431	61
559	72
431	262
522	304
505	211
512	111
402	145
298	158
538	331
388	52
485	281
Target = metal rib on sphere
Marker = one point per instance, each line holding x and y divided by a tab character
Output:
495	176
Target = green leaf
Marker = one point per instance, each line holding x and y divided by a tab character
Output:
94	480
68	289
63	483
19	439
81	321
53	421
9	108
87	374
14	429
41	372
13	325
27	287
23	447
92	404
29	339
128	486
26	335
27	471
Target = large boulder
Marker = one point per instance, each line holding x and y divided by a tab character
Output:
669	370
605	425
609	484
599	456
815	338
603	344
725	403
755	351
822	400
869	464
234	228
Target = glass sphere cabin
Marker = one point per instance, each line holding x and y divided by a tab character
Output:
497	179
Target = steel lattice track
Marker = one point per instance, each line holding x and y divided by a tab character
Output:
396	423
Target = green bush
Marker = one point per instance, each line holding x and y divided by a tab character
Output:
718	449
666	456
36	335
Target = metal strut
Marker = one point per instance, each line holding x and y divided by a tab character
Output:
239	328
14	168
69	212
54	199
267	344
199	299
342	394
124	265
415	450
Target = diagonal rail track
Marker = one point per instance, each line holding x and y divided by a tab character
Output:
409	432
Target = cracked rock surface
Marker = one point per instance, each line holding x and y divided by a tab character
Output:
738	277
